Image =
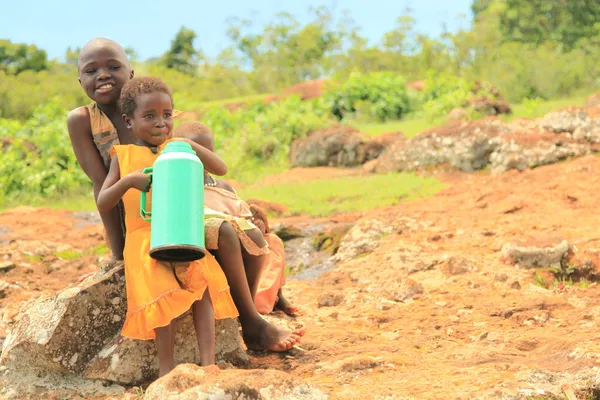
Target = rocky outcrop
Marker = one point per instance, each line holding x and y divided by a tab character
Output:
338	146
488	100
536	253
193	382
577	123
307	89
470	146
361	239
77	332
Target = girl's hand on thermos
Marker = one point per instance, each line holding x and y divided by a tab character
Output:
140	181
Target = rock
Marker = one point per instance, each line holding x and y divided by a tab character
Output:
515	285
29	385
329	300
488	100
307	89
130	362
401	289
521	152
576	121
458	114
361	239
470	146
417	85
593	100
189	381
7	266
454	266
77	331
338	146
330	239
463	145
288	232
62	333
535	254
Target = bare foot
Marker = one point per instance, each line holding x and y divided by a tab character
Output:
284	305
269	337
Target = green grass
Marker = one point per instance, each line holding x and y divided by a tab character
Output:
75	202
346	194
525	110
414	125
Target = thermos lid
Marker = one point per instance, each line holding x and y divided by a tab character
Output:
178	146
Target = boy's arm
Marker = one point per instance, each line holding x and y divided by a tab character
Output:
212	162
115	187
78	123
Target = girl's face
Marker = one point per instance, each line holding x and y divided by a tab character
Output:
152	120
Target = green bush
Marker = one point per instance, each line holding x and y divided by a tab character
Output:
51	169
442	93
381	96
259	136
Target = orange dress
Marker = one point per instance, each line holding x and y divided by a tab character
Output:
154	296
273	275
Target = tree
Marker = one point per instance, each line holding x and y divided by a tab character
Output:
72	55
18	57
286	52
566	22
182	55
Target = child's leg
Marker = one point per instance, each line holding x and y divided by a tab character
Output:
257	237
258	333
284	304
165	344
204	324
254	266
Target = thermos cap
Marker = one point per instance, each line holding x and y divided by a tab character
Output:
178	146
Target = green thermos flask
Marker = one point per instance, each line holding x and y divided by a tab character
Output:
177	215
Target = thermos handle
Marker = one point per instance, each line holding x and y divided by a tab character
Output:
147	215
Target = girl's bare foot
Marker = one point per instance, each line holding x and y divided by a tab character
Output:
284	305
267	336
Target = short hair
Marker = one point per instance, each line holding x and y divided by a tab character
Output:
100	42
136	87
192	128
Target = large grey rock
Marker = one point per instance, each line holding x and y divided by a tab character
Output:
77	332
190	382
575	121
128	361
536	255
469	146
338	146
361	239
64	332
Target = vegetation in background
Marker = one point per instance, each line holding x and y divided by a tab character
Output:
534	51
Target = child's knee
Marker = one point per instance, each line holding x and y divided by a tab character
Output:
227	236
257	237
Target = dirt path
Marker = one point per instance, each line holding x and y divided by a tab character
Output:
474	328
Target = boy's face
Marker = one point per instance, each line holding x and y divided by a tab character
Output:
152	120
103	70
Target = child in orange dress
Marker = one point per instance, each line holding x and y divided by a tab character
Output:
154	296
221	202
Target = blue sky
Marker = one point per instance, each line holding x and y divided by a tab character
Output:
148	26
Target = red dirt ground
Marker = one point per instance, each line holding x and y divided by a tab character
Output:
472	332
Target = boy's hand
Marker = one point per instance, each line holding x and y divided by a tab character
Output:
259	218
140	181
